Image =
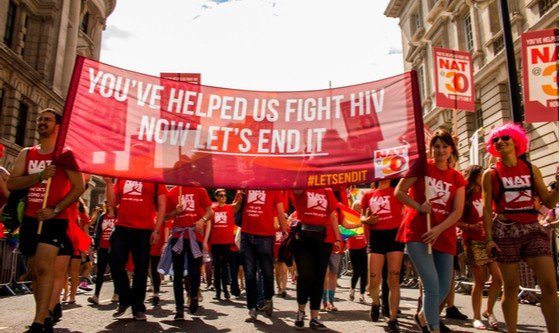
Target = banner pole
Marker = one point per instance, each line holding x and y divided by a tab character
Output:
47	190
428	215
455	115
180	195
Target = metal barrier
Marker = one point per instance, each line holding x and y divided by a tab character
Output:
11	262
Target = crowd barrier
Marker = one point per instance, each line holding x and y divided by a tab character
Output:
12	266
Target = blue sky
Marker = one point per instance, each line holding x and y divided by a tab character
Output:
256	44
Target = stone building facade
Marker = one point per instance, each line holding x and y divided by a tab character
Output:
474	26
40	41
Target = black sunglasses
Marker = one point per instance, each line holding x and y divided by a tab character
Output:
503	137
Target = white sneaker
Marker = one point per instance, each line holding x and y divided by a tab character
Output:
362	299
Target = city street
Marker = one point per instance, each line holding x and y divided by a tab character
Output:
228	316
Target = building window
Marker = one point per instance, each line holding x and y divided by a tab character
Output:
415	22
21	123
24	33
469	33
85	23
10	24
545	5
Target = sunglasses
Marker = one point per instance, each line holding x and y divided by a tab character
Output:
503	137
221	195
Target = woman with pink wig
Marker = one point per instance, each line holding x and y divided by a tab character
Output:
512	227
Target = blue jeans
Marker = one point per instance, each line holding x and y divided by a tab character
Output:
257	252
435	271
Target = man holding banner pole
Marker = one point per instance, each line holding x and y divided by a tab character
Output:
32	169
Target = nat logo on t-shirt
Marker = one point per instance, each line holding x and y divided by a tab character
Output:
438	191
132	187
220	218
187	200
256	197
36	166
316	201
380	205
517	182
478	205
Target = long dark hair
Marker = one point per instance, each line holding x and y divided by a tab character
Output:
471	173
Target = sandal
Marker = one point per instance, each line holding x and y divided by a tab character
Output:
492	321
423	329
479	325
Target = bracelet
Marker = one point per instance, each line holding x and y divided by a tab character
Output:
40	176
204	219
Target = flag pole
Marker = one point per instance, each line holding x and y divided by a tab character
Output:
428	215
47	190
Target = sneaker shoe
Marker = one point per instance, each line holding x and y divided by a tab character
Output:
226	295
315	324
57	313
284	294
155	300
48	325
300	317
267	307
193	305
252	316
93	300
120	311
443	328
179	314
362	299
139	316
351	295
393	326
453	313
115	298
36	328
374	312
84	286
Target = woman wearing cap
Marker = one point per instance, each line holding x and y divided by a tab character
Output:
515	233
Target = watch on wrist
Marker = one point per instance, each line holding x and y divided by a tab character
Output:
56	210
204	219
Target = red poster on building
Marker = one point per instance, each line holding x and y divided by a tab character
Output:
181	133
540	75
454	79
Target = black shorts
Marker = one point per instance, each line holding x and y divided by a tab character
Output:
383	241
53	233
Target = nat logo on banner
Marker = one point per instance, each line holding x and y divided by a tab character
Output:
391	161
454	79
540	75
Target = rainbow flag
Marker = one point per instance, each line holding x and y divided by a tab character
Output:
353	217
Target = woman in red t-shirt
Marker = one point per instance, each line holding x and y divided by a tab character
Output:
219	239
357	247
382	213
445	194
474	245
316	209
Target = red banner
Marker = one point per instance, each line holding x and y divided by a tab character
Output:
454	79
124	124
540	75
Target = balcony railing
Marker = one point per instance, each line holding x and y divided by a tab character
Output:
498	44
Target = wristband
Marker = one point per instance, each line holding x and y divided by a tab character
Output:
204	219
40	176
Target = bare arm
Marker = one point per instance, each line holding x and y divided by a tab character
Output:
4	175
281	217
487	214
18	180
109	192
334	224
161	202
401	193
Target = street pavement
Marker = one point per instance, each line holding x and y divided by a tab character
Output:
228	316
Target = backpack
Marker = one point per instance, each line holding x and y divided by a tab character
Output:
12	215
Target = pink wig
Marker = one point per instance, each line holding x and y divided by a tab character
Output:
515	132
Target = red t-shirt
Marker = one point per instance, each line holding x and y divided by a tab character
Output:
474	216
36	162
441	192
155	249
259	212
107	227
195	200
517	177
356	242
222	225
388	209
315	205
137	203
84	219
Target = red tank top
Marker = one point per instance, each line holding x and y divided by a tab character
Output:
515	199
36	162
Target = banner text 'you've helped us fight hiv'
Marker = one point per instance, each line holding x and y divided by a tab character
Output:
243	135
